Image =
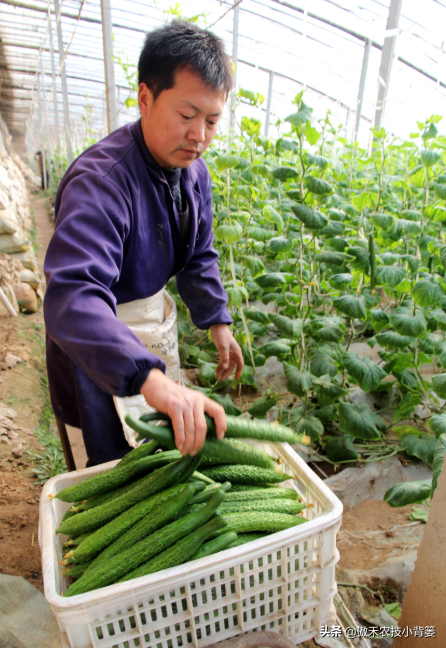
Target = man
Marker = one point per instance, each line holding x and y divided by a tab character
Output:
132	211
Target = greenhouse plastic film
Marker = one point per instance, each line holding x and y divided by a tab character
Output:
284	582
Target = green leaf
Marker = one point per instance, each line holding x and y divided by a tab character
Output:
358	421
440	191
385	221
310	217
363	200
285	173
256	315
328	391
439	385
311	134
228	233
392	340
331	334
291	328
309	425
393	609
390	275
430	157
317	160
254	264
317	186
379	319
259	234
341	449
236	294
334	258
271	280
302	116
437	466
334	228
298	382
262	405
279	244
276	348
257	329
438	424
273	216
351	306
226	403
366	372
403	227
226	161
422	446
408	324
322	365
426	293
414	492
411	214
340	281
418	515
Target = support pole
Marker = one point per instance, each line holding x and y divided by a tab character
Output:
365	64
387	54
53	76
268	102
63	77
42	149
109	69
234	58
49	157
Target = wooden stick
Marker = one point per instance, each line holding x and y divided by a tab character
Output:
7	304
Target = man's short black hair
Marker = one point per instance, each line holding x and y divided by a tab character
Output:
179	46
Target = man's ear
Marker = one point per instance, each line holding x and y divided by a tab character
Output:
145	99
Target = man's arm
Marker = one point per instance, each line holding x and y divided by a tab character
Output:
83	261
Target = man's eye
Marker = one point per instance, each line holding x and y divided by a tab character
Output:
186	117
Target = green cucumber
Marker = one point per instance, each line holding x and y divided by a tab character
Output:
213	450
214	546
246	475
199	477
155	416
162	459
265	521
107	481
243	428
107	535
243	538
144	450
76	571
92	519
76	540
372	253
256	492
178	553
207	493
109	571
274	505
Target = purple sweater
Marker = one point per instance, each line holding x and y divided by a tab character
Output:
117	239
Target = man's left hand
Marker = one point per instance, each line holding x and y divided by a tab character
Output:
230	352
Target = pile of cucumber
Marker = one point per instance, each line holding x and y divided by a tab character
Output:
154	510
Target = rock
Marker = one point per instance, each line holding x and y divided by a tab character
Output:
4	439
4	200
353	485
17	453
8	412
26	297
11	360
29	277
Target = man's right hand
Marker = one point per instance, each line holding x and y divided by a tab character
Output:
186	408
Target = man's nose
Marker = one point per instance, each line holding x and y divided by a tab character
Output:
197	132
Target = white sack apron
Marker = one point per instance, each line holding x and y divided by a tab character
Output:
154	321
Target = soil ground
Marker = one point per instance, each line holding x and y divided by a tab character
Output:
23	388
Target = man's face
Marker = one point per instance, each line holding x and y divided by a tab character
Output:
179	126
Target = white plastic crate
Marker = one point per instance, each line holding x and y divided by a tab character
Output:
284	582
